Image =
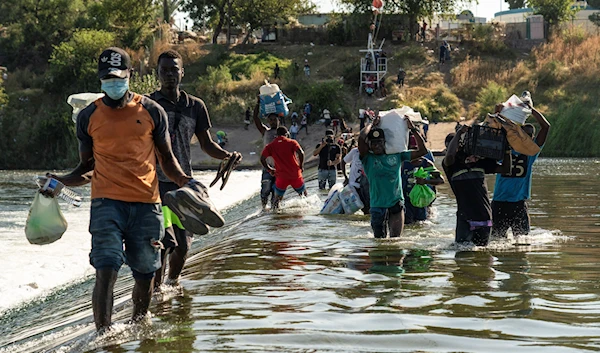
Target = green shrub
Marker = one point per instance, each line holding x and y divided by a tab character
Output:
571	135
144	84
213	85
74	63
3	96
247	64
412	55
36	132
450	106
351	73
488	97
552	73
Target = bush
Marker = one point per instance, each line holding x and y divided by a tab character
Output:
3	96
488	97
74	63
36	132
571	135
413	55
145	84
245	65
351	73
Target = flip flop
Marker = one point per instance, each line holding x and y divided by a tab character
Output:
225	168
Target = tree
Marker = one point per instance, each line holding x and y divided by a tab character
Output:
208	13
414	9
250	14
515	4
74	63
595	17
129	19
33	27
554	11
168	9
254	14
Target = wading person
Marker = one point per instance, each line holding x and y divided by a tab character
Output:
120	137
413	213
509	207
466	175
187	116
289	164
330	155
269	133
357	179
385	181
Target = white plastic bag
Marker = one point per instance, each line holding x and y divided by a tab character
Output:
395	131
515	110
333	204
81	100
350	200
45	222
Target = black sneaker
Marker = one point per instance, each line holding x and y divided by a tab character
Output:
194	208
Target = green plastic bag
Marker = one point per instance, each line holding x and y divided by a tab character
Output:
421	195
45	222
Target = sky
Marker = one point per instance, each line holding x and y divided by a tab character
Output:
485	8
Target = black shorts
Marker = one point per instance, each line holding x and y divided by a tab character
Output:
175	237
510	215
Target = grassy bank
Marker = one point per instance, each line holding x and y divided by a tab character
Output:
563	76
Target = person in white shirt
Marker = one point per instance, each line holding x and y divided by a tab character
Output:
357	179
294	129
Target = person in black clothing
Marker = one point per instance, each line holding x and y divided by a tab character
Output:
466	174
247	118
276	71
330	155
188	116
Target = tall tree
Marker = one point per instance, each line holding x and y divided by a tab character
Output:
515	4
33	27
250	14
208	13
130	19
554	11
414	9
168	9
253	14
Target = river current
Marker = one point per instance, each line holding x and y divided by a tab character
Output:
302	282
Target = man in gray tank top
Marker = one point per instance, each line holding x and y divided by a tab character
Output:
269	133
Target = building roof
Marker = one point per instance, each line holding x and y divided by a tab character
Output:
525	10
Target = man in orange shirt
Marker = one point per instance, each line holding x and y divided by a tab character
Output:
289	164
120	137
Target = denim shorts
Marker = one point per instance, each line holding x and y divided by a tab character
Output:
126	232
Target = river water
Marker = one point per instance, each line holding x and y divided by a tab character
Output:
301	282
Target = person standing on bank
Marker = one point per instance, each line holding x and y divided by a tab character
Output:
509	207
330	155
120	137
187	116
385	180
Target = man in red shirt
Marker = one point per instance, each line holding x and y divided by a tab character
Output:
289	164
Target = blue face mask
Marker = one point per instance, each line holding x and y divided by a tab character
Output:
115	88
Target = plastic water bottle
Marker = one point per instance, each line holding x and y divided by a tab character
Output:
59	189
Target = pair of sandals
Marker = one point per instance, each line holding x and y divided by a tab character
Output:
225	168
